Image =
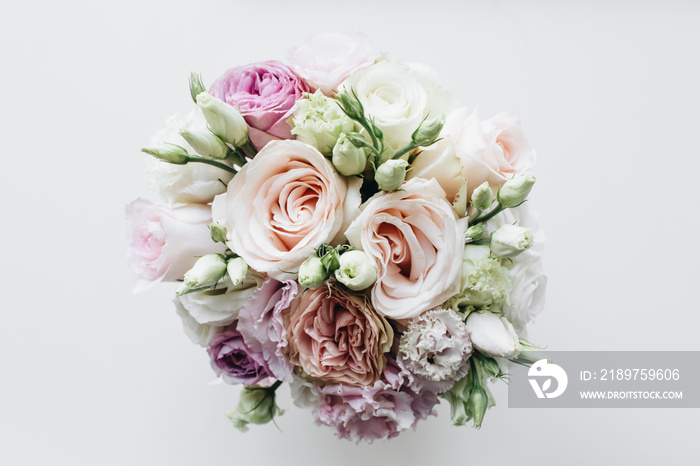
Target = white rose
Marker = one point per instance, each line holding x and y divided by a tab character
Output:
527	296
493	335
398	97
325	60
184	184
492	150
220	306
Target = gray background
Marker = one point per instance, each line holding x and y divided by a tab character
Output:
608	93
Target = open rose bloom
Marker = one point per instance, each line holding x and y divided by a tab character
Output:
354	264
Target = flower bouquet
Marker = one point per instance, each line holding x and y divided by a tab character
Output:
343	225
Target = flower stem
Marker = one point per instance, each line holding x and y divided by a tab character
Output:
214	163
497	210
249	149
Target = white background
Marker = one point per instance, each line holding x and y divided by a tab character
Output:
90	374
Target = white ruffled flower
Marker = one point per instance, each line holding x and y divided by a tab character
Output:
319	122
220	306
199	334
305	394
184	184
484	280
435	349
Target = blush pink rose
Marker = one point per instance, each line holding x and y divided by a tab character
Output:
284	204
415	240
336	337
163	244
265	94
325	60
492	150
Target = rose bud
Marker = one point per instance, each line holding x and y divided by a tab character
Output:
224	120
237	270
493	335
391	174
356	271
312	273
207	271
348	159
510	240
515	191
428	132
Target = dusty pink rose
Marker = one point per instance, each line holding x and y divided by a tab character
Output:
265	94
284	204
416	241
163	243
336	337
325	60
235	362
261	324
381	411
492	150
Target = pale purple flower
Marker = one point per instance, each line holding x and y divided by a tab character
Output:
234	361
261	324
380	411
265	94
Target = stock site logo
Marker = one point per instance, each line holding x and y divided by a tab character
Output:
547	371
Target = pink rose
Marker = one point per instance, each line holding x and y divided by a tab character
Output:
265	94
284	204
416	241
165	243
492	150
325	60
336	337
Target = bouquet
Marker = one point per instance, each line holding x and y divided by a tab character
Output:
343	225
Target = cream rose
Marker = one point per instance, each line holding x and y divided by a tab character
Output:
492	150
416	241
398	97
284	204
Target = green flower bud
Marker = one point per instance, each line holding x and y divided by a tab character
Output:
319	122
237	270
330	260
218	232
482	197
224	120
458	412
515	191
478	402
428	132
348	159
391	174
356	271
205	143
196	86
475	232
255	406
510	240
489	364
312	273
207	271
350	105
167	152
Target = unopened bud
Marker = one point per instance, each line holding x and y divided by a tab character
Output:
207	271
428	132
515	191
196	86
482	197
217	232
167	152
356	271
510	240
475	232
223	119
237	270
205	143
312	273
347	158
391	174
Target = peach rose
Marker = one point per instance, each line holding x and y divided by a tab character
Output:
416	241
284	204
336	337
492	150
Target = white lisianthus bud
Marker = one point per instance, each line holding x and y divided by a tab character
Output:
207	271
428	132
319	122
237	270
493	335
475	232
255	406
510	240
167	152
196	86
348	159
312	273
205	143
356	271
223	119
515	191
391	174
217	232
482	197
